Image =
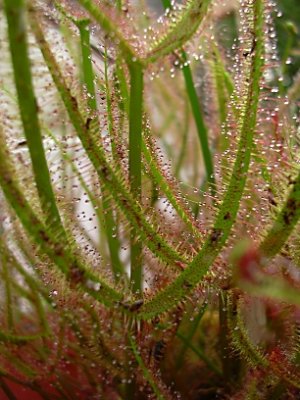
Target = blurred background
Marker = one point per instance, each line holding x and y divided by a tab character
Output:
288	28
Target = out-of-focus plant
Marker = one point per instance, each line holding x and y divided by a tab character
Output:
150	198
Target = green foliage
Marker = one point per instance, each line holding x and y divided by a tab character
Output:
119	280
183	25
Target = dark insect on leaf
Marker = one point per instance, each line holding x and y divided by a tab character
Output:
159	350
133	306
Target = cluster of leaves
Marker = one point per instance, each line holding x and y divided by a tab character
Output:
124	276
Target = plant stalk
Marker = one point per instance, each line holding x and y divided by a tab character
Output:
135	166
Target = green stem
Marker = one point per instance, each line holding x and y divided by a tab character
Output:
223	82
119	4
183	145
199	121
135	165
103	17
162	183
15	13
198	115
167	4
122	86
199	353
36	289
147	374
190	334
112	238
87	66
89	78
6	278
240	338
231	363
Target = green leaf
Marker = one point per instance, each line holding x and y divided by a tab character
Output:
215	241
181	28
110	176
284	224
15	13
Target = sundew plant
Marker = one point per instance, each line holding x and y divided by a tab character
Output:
150	198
